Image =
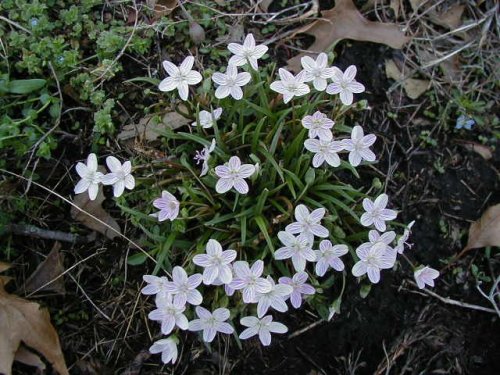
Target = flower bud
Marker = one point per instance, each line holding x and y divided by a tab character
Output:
196	32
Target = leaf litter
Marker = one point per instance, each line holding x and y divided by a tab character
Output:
344	21
24	322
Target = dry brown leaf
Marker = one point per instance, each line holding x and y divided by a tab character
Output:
485	231
413	87
395	6
4	266
264	5
24	321
149	129
162	7
94	208
482	150
449	18
29	358
415	4
344	21
48	270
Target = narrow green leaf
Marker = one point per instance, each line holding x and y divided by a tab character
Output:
26	86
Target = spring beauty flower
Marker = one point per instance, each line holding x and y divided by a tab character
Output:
211	323
345	84
298	248
203	156
359	146
90	177
376	213
232	174
180	77
169	314
262	327
324	151
299	287
290	85
317	70
329	255
156	285
247	52
168	349
216	263
274	298
373	258
319	125
249	280
206	119
425	276
168	206
119	177
230	83
400	247
183	288
308	223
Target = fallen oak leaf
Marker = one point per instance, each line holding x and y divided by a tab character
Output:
162	8
4	266
485	231
344	21
24	321
108	226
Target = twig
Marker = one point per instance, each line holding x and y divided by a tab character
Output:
310	360
47	234
88	299
305	329
2	18
454	302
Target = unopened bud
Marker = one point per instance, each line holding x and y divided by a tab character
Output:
196	32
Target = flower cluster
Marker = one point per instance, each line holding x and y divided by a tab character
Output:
120	176
310	251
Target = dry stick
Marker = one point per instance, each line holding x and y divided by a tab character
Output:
36	232
453	302
305	329
82	210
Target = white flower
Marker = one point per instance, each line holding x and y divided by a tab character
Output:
168	349
329	256
230	83
290	85
232	174
90	177
299	286
319	125
400	247
216	263
249	280
308	223
345	85
168	206
207	119
203	156
274	298
119	177
324	151
248	52
169	314
425	276
359	146
211	323
375	256
156	285
298	248
262	327
317	71
376	213
183	288
180	77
